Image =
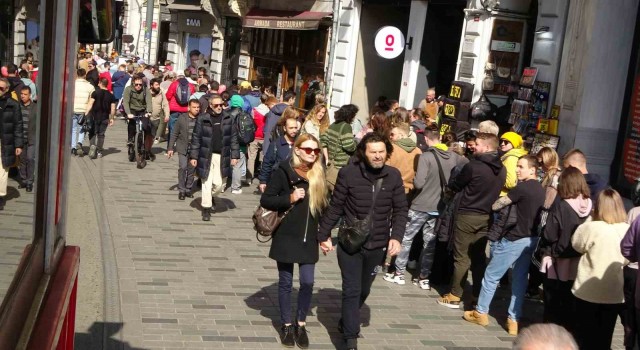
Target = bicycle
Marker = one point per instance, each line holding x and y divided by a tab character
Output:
136	149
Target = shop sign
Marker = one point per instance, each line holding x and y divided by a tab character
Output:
389	42
195	22
281	24
505	46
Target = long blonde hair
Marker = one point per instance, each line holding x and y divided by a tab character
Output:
324	123
551	162
318	192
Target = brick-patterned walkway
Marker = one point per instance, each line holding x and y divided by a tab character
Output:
187	284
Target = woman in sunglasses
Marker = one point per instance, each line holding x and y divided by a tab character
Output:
297	186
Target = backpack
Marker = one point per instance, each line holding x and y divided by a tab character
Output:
483	109
183	91
246	127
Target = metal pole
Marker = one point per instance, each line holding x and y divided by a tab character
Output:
147	36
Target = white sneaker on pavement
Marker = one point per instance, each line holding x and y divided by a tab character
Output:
394	278
236	191
423	284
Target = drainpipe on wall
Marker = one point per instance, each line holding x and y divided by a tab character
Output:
334	43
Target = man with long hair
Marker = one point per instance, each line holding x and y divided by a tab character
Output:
353	199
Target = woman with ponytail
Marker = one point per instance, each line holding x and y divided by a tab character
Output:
297	185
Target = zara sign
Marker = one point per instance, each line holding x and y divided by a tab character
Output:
389	42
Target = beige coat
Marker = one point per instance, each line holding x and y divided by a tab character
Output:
84	89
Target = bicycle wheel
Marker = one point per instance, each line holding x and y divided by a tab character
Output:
139	149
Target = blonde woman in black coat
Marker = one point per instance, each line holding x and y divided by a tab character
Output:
298	183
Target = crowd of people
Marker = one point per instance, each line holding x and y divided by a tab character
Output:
546	219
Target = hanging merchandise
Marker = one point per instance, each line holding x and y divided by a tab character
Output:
490	66
504	72
483	109
529	76
488	82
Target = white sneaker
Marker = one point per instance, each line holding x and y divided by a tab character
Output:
237	191
394	278
423	284
156	141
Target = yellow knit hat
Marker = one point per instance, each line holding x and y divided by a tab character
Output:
513	138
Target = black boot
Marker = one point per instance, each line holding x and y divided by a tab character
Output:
206	214
352	343
301	338
2	203
287	336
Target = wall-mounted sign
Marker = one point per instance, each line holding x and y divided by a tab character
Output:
286	20
243	61
243	73
195	22
505	46
154	25
466	66
389	42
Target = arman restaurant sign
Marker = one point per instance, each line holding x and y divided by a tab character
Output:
279	24
287	20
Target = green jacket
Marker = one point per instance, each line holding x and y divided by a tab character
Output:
339	142
137	101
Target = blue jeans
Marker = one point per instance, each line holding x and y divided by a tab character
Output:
285	286
418	220
505	255
77	135
173	118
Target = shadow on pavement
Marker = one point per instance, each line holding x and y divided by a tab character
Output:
109	151
220	204
100	337
327	311
12	193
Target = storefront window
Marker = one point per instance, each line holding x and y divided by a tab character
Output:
290	60
198	42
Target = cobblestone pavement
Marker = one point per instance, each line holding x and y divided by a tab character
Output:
189	284
16	231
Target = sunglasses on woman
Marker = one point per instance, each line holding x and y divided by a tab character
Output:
309	150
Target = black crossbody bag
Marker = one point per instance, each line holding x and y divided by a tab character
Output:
352	237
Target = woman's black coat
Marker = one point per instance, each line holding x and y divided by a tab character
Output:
295	240
201	144
11	132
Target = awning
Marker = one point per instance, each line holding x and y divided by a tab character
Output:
289	20
185	5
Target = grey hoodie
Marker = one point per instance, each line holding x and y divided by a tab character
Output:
427	180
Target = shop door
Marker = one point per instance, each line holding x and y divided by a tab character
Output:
200	42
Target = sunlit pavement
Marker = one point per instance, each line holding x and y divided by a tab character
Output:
184	283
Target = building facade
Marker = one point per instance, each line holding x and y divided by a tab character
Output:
581	48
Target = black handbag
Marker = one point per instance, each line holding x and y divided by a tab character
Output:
353	236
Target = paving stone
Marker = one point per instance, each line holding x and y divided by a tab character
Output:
188	284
